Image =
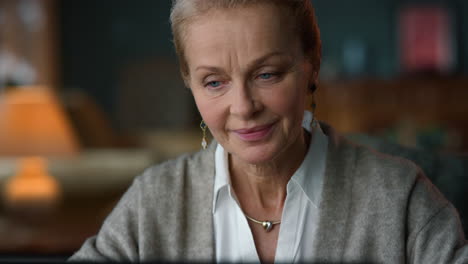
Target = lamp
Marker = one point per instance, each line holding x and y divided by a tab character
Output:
33	126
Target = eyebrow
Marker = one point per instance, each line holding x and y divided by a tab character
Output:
255	62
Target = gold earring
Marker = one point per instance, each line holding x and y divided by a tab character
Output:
203	126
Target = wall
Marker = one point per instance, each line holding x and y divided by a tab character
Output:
101	39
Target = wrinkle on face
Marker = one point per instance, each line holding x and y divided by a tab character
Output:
242	44
234	46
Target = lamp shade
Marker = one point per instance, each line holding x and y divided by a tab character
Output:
32	122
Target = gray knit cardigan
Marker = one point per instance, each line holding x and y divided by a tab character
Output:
374	208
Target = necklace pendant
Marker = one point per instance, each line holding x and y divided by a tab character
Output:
267	225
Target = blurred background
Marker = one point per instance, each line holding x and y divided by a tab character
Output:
90	95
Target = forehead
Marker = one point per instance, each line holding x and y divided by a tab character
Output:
251	31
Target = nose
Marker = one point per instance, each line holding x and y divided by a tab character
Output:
244	104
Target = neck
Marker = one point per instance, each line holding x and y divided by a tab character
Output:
262	187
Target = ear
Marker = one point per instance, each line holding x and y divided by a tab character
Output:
308	101
312	75
311	88
312	85
309	96
186	82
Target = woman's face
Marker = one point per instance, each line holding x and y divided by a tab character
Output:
250	79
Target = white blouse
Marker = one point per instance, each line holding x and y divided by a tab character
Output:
233	237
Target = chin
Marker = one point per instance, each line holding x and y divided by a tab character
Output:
256	155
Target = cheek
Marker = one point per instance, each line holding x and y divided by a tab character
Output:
289	100
211	112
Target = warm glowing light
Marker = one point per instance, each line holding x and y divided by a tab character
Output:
32	122
32	184
33	126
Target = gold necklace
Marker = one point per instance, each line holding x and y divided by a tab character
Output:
267	225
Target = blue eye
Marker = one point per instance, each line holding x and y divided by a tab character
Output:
265	76
214	84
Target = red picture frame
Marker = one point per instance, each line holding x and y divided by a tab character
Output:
426	39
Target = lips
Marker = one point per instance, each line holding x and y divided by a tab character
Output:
255	133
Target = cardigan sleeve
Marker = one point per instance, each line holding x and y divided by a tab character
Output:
164	215
117	239
435	232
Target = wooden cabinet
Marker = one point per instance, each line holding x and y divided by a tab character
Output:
375	106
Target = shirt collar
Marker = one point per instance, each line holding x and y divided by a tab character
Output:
309	175
221	172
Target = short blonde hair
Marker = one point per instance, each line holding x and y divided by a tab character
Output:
300	11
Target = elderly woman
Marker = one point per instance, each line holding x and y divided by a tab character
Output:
274	185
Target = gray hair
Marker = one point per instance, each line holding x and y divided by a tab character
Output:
301	12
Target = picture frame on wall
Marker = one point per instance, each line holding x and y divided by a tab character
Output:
427	40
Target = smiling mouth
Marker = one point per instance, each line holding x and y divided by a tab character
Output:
254	134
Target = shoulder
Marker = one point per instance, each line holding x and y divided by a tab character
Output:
149	221
390	172
383	181
368	166
196	166
382	177
388	200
